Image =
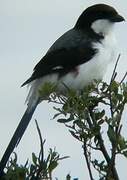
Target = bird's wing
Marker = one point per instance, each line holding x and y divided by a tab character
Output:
61	61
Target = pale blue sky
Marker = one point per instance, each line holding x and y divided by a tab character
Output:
27	30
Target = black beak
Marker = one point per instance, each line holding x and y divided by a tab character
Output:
117	18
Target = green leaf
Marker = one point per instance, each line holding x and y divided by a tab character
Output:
65	157
125	153
101	122
48	159
34	158
79	123
64	120
56	115
32	168
74	134
114	87
122	142
99	115
120	97
52	166
111	134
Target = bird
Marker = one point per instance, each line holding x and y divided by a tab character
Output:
79	56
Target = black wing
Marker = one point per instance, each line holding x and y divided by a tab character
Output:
61	61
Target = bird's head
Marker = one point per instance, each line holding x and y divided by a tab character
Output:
100	18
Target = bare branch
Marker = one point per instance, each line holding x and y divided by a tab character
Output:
87	161
123	78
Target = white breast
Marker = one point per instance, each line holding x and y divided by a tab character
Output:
93	69
96	67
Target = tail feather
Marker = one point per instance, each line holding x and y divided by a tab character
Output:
18	134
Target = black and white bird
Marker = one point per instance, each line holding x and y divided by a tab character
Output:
75	59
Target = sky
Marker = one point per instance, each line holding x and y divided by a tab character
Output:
27	30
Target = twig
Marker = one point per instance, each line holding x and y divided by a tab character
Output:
56	102
41	154
92	147
114	74
87	161
114	70
100	139
114	145
123	78
103	148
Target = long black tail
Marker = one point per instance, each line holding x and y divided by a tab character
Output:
17	135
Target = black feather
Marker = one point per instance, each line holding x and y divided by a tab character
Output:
67	59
